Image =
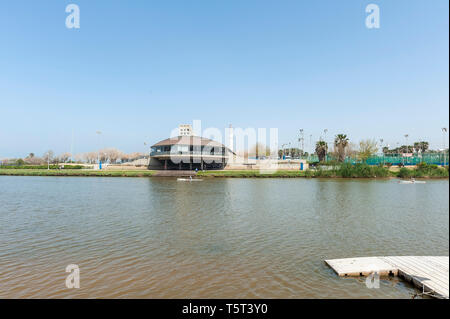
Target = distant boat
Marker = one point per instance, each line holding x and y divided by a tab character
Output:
413	181
189	179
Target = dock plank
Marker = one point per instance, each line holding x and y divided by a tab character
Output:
430	273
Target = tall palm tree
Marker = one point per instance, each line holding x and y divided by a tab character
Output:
341	142
422	146
321	150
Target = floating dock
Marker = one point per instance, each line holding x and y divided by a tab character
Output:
428	273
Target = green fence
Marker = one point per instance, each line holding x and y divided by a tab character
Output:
394	159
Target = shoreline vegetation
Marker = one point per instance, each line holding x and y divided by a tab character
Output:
339	171
76	172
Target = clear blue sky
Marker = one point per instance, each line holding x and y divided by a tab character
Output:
136	69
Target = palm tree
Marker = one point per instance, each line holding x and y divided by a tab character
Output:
321	150
341	142
422	146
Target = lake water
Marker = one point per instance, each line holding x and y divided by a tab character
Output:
220	238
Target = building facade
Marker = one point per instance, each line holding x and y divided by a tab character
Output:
188	152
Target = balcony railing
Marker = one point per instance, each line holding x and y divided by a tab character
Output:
192	153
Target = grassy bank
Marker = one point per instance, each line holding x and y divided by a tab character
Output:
75	172
342	171
253	173
53	166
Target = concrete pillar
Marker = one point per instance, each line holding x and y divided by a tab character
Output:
179	165
165	164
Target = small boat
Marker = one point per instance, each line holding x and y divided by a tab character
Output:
189	179
413	181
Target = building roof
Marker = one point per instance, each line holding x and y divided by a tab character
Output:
189	140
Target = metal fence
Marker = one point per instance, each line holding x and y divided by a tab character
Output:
394	159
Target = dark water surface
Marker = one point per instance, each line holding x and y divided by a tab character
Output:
220	238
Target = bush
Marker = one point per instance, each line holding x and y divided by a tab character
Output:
346	170
422	166
380	171
404	173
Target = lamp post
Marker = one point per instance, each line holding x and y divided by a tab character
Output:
388	147
98	152
311	146
444	132
398	150
145	147
407	150
302	140
282	146
381	144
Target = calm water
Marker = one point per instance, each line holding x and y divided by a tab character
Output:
221	238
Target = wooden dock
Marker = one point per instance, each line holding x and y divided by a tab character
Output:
428	273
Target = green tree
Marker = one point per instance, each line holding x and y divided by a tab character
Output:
367	148
341	143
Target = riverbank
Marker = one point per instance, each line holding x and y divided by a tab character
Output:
76	172
344	171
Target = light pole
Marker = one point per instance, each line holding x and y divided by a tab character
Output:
407	150
311	146
98	152
398	152
381	144
302	140
388	147
444	132
145	147
406	138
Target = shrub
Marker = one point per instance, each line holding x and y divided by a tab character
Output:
422	166
346	170
404	173
380	171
